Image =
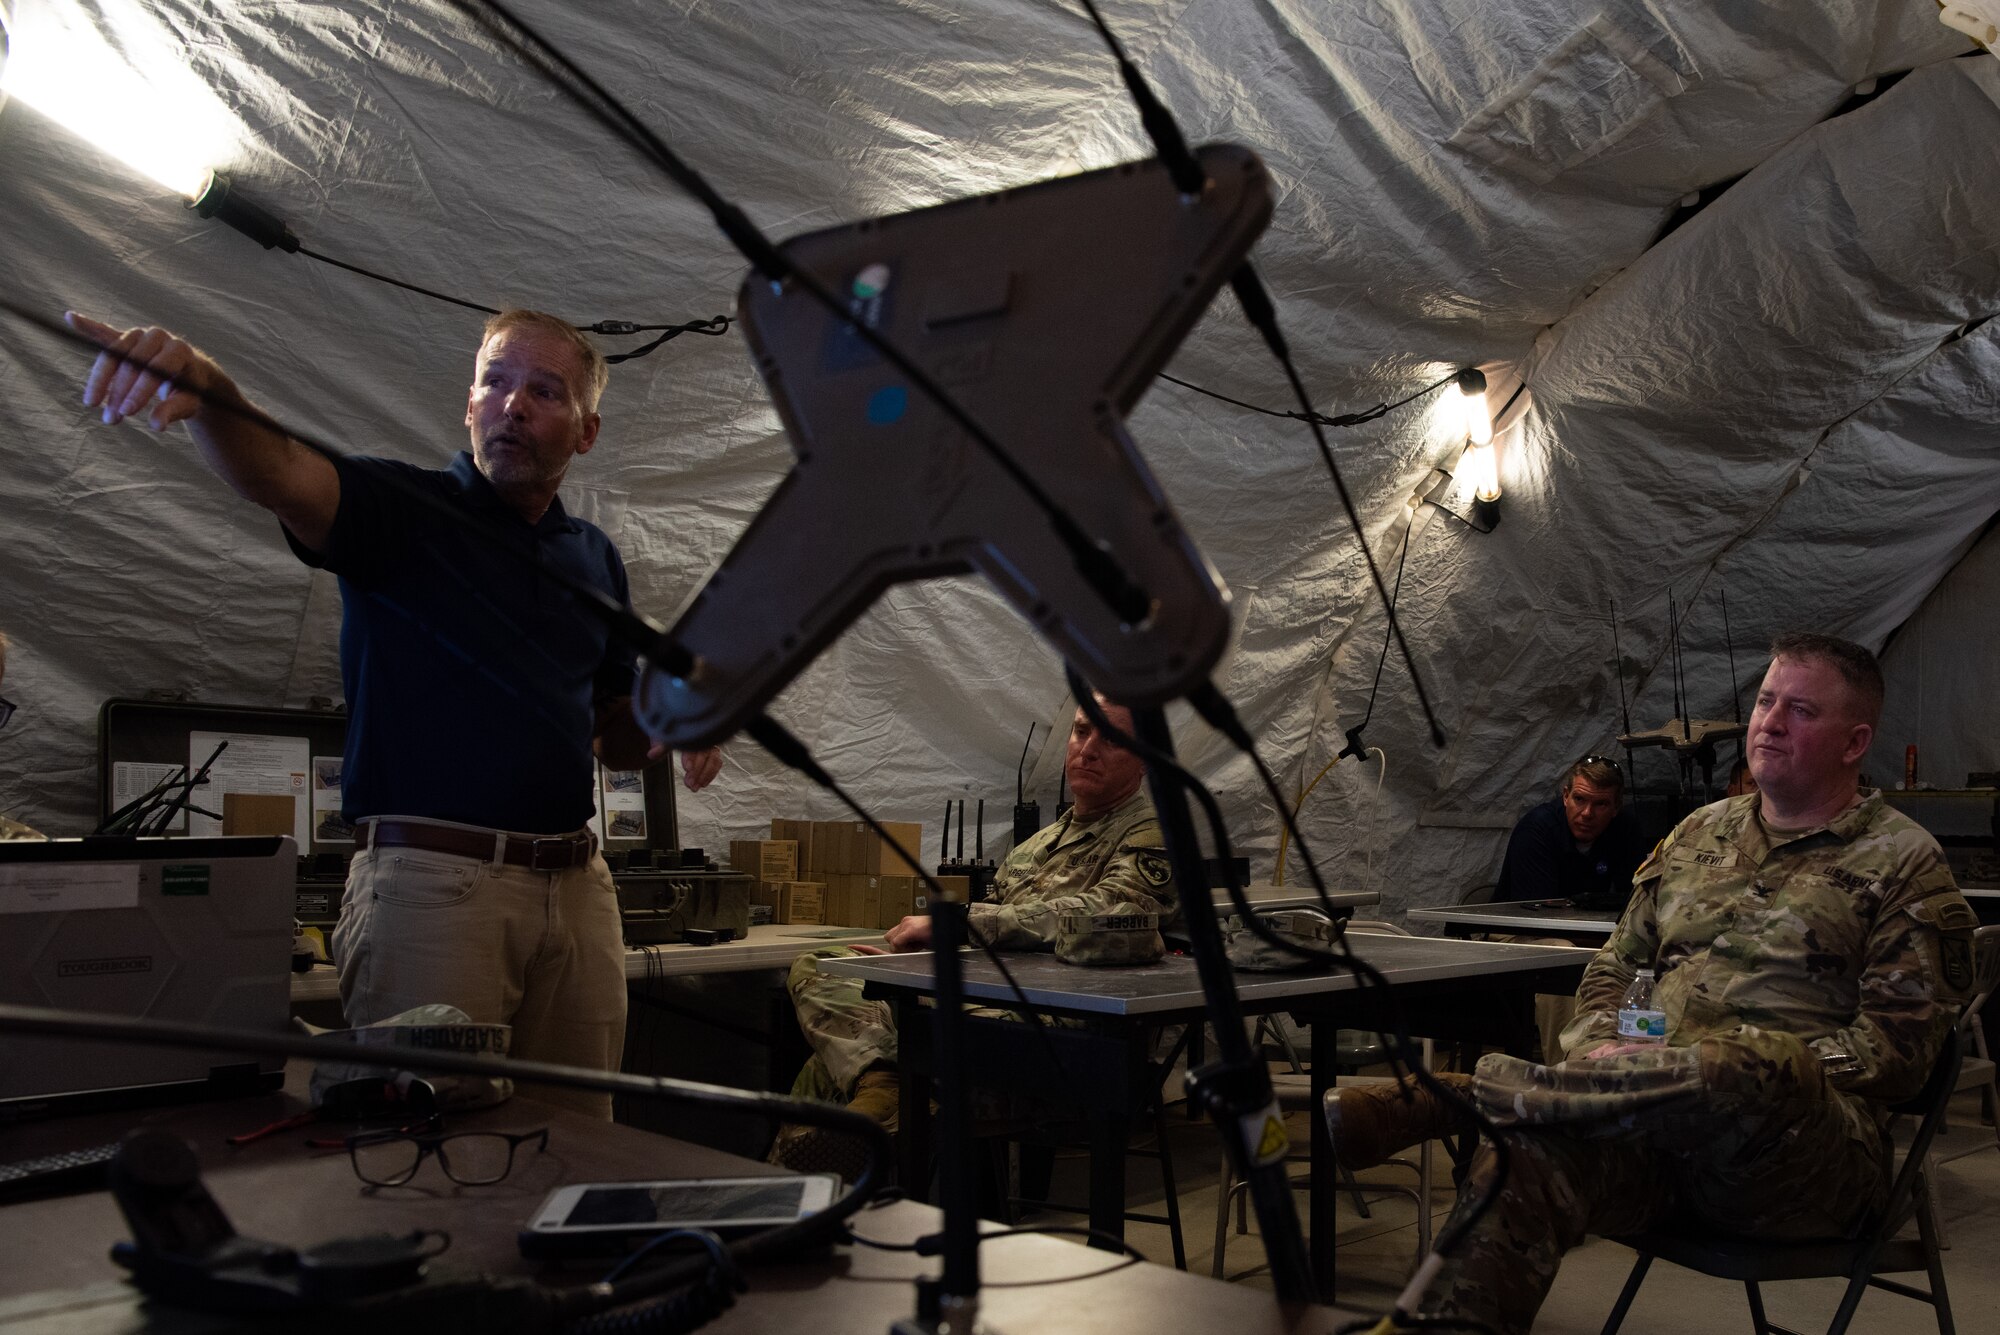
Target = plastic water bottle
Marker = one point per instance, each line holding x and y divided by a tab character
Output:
1638	1020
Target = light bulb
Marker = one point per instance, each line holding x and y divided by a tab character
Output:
1480	470
1472	400
59	63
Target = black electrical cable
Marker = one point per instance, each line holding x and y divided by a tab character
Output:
1395	595
1173	152
928	1246
628	625
1263	317
1099	567
647	637
715	325
573	1304
631	626
395	282
1336	419
713	1292
788	750
1262	314
1396	1040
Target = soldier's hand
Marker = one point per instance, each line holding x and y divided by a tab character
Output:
1618	1050
146	366
911	934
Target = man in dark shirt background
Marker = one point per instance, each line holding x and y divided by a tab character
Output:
1582	846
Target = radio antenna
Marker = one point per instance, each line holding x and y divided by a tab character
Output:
1021	769
1735	694
1674	642
1618	660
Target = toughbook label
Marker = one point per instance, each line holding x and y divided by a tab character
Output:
184	880
97	968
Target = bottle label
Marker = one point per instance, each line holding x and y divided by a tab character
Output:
1642	1026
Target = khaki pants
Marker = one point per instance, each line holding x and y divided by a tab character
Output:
541	951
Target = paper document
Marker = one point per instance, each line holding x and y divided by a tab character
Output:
253	763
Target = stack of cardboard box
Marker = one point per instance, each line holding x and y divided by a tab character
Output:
774	864
841	872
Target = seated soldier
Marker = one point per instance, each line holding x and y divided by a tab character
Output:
1103	856
1811	952
10	829
1581	846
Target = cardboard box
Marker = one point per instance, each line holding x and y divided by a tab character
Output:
899	895
829	848
879	858
258	813
835	903
801	902
800	832
765	859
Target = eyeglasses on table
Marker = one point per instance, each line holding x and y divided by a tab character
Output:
469	1158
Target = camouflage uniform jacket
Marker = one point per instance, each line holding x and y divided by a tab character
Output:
1116	862
1850	936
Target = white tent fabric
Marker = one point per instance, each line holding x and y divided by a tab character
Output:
1790	396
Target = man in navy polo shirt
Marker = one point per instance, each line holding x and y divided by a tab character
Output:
477	691
1580	846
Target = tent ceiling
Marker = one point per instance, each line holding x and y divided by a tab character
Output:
1771	400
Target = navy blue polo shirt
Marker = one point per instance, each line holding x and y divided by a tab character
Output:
472	683
1543	861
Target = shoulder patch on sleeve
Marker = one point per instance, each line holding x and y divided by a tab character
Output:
1153	865
1144	834
1955	957
1946	912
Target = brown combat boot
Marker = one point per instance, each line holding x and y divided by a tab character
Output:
815	1149
1369	1123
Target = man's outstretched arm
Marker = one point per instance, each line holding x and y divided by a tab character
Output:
155	371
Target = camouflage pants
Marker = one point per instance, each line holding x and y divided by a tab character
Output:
847	1032
1738	1133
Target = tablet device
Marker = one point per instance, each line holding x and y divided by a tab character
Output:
607	1218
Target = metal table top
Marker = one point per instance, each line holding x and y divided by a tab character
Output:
1533	915
1173	986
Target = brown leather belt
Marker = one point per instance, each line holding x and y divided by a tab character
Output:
555	852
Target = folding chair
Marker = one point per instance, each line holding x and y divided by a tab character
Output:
1861	1260
1977	1070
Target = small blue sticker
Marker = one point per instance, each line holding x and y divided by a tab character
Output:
887	405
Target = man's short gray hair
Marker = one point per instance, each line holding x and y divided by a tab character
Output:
596	371
1856	666
1598	772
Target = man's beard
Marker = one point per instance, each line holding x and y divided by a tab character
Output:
508	459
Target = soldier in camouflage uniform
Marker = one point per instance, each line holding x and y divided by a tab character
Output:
1811	950
1095	886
